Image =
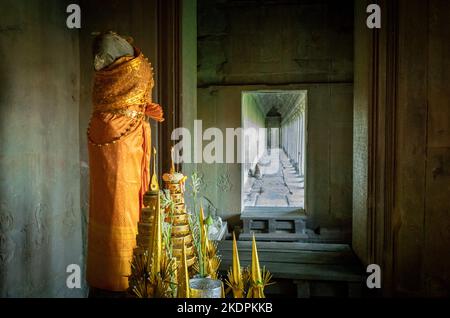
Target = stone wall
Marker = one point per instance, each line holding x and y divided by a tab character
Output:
40	215
189	75
402	156
273	42
421	222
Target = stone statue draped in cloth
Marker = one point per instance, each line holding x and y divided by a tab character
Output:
119	158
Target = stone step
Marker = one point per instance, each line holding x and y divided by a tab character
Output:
226	245
274	224
274	237
290	213
307	266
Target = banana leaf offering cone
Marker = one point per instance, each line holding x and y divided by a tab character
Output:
208	258
235	279
237	275
256	289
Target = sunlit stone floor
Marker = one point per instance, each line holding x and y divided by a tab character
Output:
279	186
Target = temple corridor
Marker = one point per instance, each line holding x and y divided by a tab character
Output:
284	188
274	169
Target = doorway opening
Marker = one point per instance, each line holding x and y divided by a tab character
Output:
274	150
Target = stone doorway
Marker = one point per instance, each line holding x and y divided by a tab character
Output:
273	171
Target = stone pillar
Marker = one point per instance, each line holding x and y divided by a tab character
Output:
292	136
288	145
290	139
294	141
297	139
303	143
300	143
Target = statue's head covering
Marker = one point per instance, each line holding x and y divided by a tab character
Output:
108	47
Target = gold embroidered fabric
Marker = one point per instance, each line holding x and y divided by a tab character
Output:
126	83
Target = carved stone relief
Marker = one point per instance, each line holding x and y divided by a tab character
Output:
69	217
7	245
224	182
36	232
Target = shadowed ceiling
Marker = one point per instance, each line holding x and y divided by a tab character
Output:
283	101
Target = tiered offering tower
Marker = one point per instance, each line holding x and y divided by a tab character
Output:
179	218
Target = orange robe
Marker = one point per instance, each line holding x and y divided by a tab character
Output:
119	157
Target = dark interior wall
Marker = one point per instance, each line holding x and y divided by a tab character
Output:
273	42
285	44
422	179
40	214
403	223
188	73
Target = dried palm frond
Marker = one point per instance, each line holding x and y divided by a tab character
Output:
211	250
213	259
237	287
246	278
266	278
166	272
213	268
140	274
144	283
256	288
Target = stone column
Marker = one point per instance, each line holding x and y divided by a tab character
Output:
300	143
303	144
297	142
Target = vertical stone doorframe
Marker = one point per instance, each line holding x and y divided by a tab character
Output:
169	75
375	106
